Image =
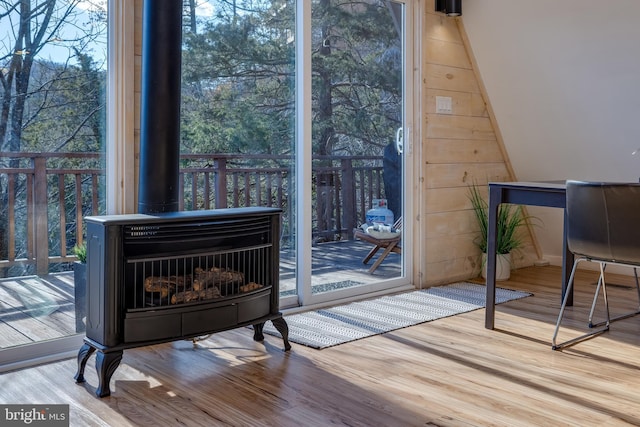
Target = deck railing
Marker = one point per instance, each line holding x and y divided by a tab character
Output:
46	195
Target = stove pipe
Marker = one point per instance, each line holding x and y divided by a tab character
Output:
160	106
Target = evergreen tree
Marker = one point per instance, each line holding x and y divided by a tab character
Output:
238	77
238	84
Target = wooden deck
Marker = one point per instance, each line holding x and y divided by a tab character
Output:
337	262
34	309
449	372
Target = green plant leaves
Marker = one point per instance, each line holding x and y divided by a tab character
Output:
510	218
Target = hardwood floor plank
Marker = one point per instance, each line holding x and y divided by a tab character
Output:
449	372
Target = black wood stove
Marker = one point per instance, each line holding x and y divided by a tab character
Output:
159	278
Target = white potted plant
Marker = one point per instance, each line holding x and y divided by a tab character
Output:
510	219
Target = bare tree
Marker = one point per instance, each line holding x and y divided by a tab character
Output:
190	15
33	26
32	29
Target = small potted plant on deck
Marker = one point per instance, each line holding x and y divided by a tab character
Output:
510	219
80	284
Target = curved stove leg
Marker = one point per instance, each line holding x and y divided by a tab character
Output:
257	332
106	364
83	355
282	327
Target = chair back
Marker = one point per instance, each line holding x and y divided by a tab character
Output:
398	224
603	220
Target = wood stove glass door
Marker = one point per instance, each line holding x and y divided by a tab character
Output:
361	152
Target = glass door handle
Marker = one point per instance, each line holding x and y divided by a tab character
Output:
399	140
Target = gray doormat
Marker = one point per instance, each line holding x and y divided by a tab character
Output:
337	325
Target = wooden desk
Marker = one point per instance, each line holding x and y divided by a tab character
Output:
544	193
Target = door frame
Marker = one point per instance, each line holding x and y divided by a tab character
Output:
413	11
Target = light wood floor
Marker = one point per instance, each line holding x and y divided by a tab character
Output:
449	372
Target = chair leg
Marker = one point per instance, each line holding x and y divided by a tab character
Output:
620	317
595	301
555	345
370	255
386	252
635	273
606	300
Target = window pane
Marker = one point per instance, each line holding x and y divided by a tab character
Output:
357	67
238	110
52	142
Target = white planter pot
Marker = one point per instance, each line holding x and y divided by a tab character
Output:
503	266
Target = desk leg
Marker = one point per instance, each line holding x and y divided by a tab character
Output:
495	198
567	264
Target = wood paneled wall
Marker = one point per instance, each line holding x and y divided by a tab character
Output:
457	150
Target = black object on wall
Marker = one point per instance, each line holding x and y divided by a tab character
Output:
160	106
450	7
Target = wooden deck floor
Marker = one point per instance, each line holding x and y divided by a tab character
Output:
449	372
34	309
339	262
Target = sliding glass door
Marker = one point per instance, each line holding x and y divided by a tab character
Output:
358	165
52	168
301	105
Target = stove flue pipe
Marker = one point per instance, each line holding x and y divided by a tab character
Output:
160	106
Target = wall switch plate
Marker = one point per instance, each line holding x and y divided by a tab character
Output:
443	105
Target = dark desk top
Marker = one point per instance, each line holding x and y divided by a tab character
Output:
533	193
559	185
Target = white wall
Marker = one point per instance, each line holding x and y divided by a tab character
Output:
563	78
